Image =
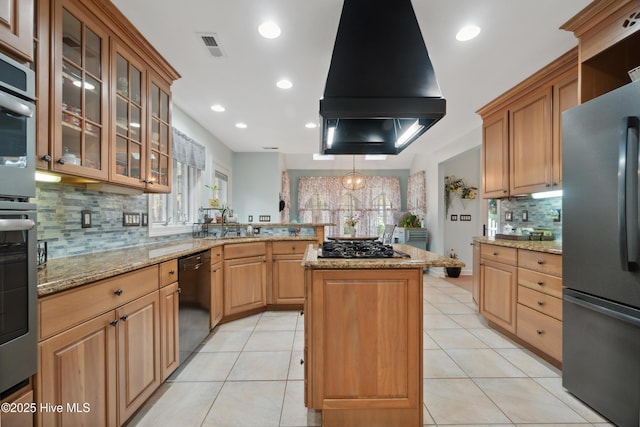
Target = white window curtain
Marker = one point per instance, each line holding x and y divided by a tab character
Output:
323	199
417	194
285	196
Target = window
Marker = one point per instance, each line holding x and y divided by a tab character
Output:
176	212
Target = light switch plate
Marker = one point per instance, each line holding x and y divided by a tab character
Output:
265	218
130	219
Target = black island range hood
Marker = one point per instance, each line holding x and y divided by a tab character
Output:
381	91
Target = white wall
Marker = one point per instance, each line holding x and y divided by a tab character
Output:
256	185
430	163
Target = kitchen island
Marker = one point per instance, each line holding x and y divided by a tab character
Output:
363	337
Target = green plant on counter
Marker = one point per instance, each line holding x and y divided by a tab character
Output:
410	221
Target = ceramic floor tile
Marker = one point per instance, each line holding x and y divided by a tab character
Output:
455	307
429	308
528	363
484	363
247	404
277	323
523	400
255	365
554	385
438	321
246	324
300	324
426	417
207	367
428	343
493	339
298	340
460	401
270	341
455	338
439	297
226	341
294	413
469	321
177	404
438	364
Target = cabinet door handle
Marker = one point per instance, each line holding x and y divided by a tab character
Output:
118	292
540	303
179	290
113	323
540	261
495	254
46	158
124	317
302	361
547	185
539	331
61	161
301	312
540	282
293	248
172	272
214	271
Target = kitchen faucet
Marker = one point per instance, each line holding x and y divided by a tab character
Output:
223	232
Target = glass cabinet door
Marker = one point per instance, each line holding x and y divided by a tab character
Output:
129	154
80	141
160	137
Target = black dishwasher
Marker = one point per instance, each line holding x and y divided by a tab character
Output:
195	301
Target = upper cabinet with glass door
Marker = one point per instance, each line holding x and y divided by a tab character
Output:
159	170
80	136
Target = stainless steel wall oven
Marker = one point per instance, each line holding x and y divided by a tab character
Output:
18	236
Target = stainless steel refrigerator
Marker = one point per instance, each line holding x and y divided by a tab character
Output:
601	254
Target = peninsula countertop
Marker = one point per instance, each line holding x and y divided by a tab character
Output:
60	274
419	258
548	246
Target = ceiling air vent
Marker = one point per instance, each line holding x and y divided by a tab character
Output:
211	43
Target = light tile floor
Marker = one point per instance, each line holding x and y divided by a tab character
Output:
248	373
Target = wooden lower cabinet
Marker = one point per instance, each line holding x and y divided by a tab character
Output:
288	279
24	418
169	330
217	293
363	346
245	284
79	366
498	293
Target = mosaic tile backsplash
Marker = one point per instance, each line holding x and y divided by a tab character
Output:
540	213
60	223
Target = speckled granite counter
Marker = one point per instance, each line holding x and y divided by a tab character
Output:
550	246
419	258
65	273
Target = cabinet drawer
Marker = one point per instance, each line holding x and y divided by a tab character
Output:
541	331
69	308
540	261
168	272
546	283
243	250
216	254
499	254
291	247
541	302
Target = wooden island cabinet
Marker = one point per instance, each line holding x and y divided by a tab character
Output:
363	338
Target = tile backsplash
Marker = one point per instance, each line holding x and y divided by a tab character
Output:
540	213
60	222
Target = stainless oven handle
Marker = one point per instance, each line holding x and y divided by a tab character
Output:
16	224
15	106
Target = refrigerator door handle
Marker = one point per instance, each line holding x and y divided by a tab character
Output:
603	310
628	227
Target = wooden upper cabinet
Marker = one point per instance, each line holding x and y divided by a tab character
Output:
16	28
565	96
609	42
109	101
530	143
495	156
80	104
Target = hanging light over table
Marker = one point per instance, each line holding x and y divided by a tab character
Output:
353	180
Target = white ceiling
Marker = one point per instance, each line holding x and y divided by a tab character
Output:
518	37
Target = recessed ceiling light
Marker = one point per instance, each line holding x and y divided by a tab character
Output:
284	84
311	125
317	156
269	30
241	125
467	33
375	157
218	108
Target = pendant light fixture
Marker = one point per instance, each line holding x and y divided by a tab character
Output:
353	180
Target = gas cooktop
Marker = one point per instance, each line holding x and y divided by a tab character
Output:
359	249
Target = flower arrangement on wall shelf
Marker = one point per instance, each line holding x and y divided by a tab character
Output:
457	187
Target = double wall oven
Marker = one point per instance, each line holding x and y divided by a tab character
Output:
18	239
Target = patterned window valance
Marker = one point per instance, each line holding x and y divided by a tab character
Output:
187	151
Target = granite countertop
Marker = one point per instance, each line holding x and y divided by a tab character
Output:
60	274
419	258
548	246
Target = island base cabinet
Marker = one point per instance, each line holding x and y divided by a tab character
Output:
365	344
78	366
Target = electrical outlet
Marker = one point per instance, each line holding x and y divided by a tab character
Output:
86	218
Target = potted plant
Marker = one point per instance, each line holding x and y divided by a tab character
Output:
215	202
410	221
453	271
